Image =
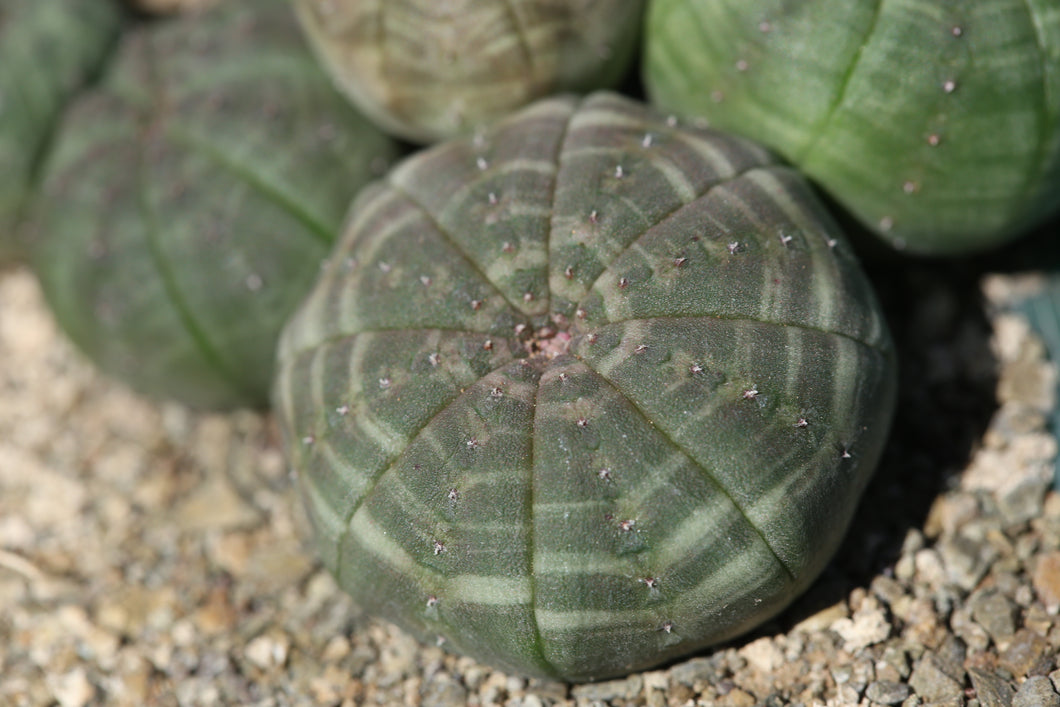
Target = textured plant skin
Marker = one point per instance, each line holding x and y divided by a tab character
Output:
48	50
585	393
433	69
190	200
936	124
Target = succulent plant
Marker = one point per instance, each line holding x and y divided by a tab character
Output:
48	50
189	201
428	70
585	392
937	125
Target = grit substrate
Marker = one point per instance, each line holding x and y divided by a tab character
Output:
154	556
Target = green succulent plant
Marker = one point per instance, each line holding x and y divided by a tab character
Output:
585	392
48	50
936	124
190	199
429	70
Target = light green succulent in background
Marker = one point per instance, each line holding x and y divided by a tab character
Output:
48	50
190	199
428	70
585	392
936	124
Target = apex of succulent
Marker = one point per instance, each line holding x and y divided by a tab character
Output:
585	392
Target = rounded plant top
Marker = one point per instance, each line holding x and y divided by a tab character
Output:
48	50
936	124
584	393
433	69
190	199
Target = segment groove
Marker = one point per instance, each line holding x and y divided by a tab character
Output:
844	84
668	216
706	472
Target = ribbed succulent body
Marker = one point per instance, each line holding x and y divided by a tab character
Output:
937	124
190	199
48	50
586	392
433	69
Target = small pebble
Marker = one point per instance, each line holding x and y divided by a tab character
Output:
1037	691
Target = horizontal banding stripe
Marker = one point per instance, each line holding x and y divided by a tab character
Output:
494	590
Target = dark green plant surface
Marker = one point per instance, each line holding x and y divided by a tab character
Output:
433	70
48	50
585	393
191	198
937	124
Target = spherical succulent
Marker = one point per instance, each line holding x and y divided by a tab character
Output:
190	199
586	392
48	50
935	124
433	69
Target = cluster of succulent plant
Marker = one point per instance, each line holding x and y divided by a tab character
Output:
586	386
936	124
189	199
48	50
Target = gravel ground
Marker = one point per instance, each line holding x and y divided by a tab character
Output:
150	555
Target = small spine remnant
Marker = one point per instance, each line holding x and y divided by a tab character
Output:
439	547
343	410
384	383
605	474
750	394
582	422
432	601
434	359
695	369
734	248
801	423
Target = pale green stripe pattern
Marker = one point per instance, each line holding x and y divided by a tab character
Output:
935	123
